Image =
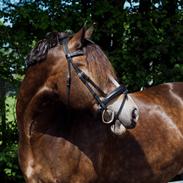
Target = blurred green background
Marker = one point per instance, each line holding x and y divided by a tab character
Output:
142	38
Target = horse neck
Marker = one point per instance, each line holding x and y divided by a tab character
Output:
77	122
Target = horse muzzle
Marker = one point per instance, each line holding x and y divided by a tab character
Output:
121	117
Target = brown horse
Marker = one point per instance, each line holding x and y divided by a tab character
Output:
76	123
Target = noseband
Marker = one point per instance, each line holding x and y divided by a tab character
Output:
88	82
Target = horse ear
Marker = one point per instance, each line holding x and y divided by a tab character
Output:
77	39
89	32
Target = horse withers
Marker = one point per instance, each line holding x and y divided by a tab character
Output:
78	125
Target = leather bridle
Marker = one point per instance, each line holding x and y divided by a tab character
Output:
92	87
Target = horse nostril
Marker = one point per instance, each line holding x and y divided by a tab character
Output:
132	125
134	113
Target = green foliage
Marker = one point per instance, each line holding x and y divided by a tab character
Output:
11	127
143	41
149	49
151	35
9	170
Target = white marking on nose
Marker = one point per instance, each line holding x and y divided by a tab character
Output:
129	111
125	115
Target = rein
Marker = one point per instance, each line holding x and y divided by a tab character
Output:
88	82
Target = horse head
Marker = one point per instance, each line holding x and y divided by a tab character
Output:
82	76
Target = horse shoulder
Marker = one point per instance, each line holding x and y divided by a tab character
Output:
160	128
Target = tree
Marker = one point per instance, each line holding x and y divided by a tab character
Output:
144	42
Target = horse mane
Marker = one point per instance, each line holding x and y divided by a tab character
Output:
39	52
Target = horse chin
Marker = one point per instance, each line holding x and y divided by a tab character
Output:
118	128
